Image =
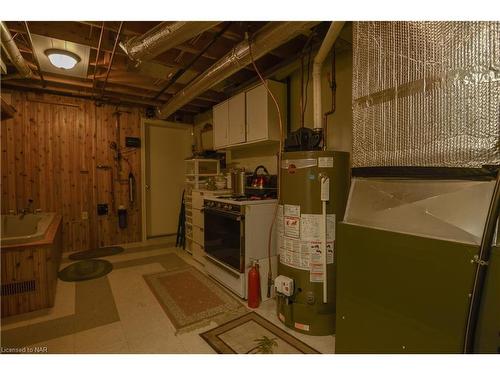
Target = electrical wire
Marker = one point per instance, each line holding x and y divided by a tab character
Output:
270	272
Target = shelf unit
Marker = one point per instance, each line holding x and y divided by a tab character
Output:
197	172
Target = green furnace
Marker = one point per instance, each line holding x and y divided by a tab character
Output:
406	256
313	195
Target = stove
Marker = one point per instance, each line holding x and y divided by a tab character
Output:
236	232
242	199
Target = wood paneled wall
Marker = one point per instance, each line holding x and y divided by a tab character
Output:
51	151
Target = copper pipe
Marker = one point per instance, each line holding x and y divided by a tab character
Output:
34	54
112	57
97	55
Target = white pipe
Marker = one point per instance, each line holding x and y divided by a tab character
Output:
163	37
325	197
268	38
326	46
323	252
13	52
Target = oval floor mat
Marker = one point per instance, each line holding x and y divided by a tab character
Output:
85	270
97	253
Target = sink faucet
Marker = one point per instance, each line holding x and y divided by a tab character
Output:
24	211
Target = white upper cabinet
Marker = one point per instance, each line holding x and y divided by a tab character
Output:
237	126
257	113
250	116
262	115
221	125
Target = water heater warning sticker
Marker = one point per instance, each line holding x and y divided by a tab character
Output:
325	162
310	227
292	210
295	253
316	260
292	226
303	327
292	220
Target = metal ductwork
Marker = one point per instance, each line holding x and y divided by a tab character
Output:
270	37
326	46
163	37
13	52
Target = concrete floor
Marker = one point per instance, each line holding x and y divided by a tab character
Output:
135	323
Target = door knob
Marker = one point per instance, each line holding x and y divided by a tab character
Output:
148	187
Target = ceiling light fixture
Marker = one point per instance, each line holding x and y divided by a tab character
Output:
62	59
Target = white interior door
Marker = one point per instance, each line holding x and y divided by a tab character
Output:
166	149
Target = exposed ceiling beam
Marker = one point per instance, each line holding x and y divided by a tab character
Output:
60	32
163	37
51	88
97	54
185	47
267	39
112	57
39	70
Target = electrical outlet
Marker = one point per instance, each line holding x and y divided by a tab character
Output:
85	215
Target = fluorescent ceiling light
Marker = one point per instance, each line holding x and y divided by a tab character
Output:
62	59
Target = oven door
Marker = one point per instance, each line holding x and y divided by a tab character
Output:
225	237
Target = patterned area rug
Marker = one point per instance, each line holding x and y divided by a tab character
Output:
191	299
252	334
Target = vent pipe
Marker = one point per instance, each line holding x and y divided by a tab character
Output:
268	38
328	42
13	52
163	37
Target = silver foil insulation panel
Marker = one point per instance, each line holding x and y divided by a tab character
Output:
426	94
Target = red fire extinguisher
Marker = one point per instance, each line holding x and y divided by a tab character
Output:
254	286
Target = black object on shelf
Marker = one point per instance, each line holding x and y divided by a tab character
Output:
133	142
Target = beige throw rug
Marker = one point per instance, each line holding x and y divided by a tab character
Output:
252	334
191	299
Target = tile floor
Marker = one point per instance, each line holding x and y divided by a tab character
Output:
141	325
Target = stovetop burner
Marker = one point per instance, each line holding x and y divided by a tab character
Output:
241	198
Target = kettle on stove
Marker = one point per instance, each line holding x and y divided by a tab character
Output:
260	180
